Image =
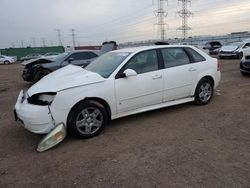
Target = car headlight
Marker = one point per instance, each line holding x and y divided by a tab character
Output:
42	98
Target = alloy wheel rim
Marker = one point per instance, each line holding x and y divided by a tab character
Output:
89	120
205	92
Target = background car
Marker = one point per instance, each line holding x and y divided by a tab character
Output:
30	56
51	55
118	84
230	50
213	47
245	62
36	69
6	59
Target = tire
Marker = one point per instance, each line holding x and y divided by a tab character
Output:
244	74
240	56
221	57
6	62
87	119
40	74
204	91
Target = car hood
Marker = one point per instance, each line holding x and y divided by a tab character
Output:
229	48
39	60
67	77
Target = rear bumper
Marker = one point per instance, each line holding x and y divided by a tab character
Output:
35	118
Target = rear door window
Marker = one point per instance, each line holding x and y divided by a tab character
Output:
174	57
196	57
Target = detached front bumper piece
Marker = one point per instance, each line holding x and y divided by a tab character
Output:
35	118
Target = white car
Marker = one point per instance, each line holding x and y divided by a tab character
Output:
117	84
234	50
6	59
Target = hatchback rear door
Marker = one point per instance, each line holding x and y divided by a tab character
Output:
179	74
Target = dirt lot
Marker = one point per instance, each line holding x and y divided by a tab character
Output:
180	146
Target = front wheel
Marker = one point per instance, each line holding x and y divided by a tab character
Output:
87	120
204	91
6	62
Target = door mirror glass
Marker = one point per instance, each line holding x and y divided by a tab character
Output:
129	72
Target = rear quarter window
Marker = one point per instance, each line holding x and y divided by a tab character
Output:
196	57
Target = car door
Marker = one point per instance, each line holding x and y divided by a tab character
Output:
141	90
179	74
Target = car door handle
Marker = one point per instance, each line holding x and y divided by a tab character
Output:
192	69
157	77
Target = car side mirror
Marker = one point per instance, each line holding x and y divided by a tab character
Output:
129	73
70	59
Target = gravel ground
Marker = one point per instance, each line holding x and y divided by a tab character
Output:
180	146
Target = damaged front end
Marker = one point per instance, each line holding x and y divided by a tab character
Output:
34	112
31	67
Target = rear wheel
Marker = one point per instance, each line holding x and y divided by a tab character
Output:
87	120
204	91
40	74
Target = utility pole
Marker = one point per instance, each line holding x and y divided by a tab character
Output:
34	42
59	37
43	42
161	14
184	14
22	43
73	37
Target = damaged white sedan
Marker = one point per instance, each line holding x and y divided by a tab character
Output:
117	84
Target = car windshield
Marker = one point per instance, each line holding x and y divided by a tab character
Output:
107	63
61	56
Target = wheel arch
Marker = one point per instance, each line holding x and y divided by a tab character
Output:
206	77
96	99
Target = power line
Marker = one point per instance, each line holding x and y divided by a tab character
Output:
161	14
59	37
184	14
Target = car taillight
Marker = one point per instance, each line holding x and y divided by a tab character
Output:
218	66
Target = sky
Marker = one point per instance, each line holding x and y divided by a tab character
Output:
30	22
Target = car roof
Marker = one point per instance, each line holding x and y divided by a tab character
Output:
142	48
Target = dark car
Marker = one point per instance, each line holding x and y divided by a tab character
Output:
245	66
36	69
213	47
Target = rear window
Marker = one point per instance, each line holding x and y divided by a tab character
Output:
196	57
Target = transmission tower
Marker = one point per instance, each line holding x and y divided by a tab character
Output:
161	14
184	14
73	37
59	37
43	41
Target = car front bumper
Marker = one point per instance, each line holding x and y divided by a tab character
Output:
245	67
228	55
35	118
